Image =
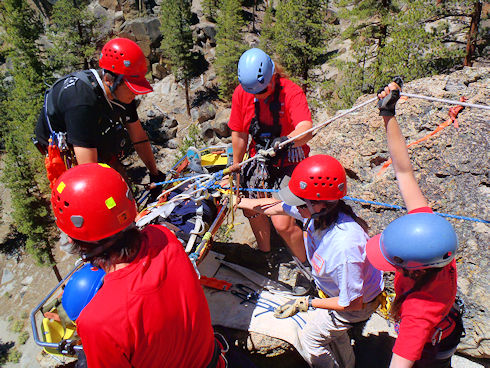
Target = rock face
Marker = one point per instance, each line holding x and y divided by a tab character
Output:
452	168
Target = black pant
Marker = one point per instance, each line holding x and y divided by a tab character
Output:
439	355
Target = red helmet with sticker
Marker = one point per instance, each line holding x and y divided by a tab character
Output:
92	202
319	178
123	56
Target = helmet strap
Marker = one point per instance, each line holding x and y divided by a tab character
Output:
118	78
314	215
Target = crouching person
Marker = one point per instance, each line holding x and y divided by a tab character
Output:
151	310
334	239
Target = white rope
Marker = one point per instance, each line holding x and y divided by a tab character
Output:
443	100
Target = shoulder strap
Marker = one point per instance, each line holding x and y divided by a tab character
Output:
275	105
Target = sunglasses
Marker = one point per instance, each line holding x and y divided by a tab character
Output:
305	206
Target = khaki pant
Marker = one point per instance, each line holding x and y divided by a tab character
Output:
325	341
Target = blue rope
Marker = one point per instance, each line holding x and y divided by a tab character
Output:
218	175
394	206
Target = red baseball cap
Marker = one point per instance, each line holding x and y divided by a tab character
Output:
374	255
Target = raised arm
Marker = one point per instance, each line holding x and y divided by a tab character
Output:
397	146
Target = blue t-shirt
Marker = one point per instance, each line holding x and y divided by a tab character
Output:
337	255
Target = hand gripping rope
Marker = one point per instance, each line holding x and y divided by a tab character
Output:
207	181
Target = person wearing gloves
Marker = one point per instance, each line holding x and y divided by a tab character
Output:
87	113
271	109
334	240
420	247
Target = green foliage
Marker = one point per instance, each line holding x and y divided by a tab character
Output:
267	31
300	33
24	172
391	38
73	31
14	356
192	139
177	42
229	46
17	326
210	8
23	337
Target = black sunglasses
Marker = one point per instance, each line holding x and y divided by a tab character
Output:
305	206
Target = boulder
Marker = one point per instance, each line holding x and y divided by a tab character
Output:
109	4
220	124
206	112
159	71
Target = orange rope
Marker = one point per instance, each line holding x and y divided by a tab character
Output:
453	114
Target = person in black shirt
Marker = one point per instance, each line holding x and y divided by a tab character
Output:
96	108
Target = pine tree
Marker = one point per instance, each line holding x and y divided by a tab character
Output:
392	38
229	46
210	8
23	173
267	31
299	35
177	42
73	32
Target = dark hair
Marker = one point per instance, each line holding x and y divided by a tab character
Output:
421	277
330	217
120	248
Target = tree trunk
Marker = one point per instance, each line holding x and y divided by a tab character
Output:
187	98
54	267
472	34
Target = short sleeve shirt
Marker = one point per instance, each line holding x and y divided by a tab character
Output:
424	309
88	118
294	109
337	255
151	313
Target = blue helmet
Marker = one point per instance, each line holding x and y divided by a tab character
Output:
255	70
419	240
80	289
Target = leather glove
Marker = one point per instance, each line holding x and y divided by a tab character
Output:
292	307
155	192
387	104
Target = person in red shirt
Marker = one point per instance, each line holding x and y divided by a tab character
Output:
271	109
151	310
420	248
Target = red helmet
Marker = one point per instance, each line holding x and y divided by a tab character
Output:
319	178
123	56
92	202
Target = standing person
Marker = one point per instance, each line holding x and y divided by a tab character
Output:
420	248
86	113
334	239
151	310
272	109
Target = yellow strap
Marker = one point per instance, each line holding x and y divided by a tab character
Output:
385	299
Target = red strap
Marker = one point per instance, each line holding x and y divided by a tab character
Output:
453	114
215	283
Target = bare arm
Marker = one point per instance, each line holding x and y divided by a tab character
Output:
142	146
239	141
333	304
399	362
300	128
266	206
409	188
85	155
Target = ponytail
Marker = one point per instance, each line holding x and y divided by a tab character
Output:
421	277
